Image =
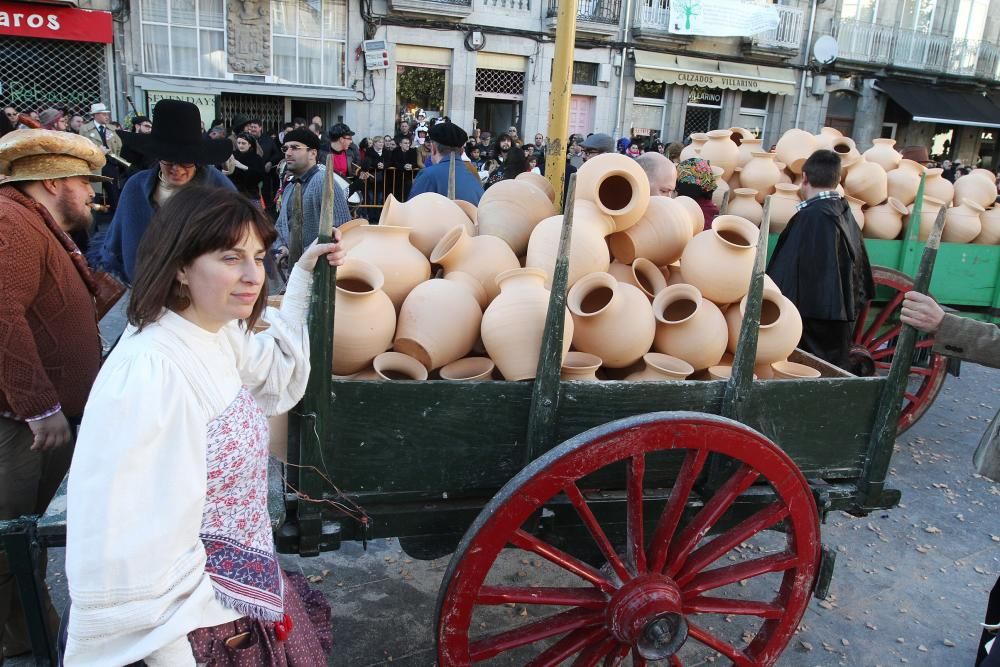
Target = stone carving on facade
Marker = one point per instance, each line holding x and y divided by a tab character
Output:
248	34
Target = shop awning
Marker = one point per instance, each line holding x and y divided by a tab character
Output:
934	104
685	71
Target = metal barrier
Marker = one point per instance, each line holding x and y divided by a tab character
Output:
373	186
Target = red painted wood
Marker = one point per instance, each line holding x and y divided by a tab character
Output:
590	521
664	535
739	658
567	621
528	542
561	597
569	646
636	542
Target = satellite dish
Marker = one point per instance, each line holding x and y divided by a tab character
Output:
825	50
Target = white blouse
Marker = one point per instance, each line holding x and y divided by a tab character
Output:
134	558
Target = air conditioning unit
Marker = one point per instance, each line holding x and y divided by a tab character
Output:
604	73
376	54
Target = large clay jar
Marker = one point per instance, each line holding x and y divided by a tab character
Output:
721	186
962	223
780	327
588	249
937	186
483	257
430	216
471	210
985	173
440	320
884	221
611	319
389	248
904	180
740	134
760	174
539	182
659	236
975	187
747	149
641	273
720	151
846	149
349	234
397	366
928	214
856	210
743	202
364	318
826	137
883	154
695	215
689	326
469	369
784	205
990	220
693	149
514	323
511	209
661	367
867	181
719	261
580	367
794	148
617	185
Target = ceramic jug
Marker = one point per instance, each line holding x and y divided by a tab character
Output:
963	224
883	154
511	209
611	319
429	215
440	320
402	264
588	247
617	185
661	367
719	261
364	318
659	236
484	257
689	326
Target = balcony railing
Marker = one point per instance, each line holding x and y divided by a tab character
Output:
517	5
889	45
592	11
655	14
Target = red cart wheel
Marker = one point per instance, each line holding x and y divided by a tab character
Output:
661	591
879	337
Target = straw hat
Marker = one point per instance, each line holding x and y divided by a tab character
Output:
36	155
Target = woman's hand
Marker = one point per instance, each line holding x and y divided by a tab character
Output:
335	253
921	312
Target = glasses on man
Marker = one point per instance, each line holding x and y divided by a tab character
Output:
591	151
288	148
180	165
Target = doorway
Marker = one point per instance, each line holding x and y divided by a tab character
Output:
420	89
497	116
581	114
328	112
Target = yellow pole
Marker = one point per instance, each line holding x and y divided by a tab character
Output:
559	96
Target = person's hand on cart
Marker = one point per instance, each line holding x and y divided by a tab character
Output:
921	312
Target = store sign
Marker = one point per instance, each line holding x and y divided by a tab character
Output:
721	18
55	22
205	103
705	96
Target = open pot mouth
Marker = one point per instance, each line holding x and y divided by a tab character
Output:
770	307
447	243
358	277
677	304
581	361
592	295
667	363
467	368
399	366
616	192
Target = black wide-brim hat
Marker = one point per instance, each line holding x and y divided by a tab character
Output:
177	137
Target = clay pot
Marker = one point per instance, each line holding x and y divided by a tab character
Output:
783	206
760	174
349	237
661	367
985	173
471	210
469	369
513	324
580	367
763	371
743	203
611	319
539	182
977	188
511	209
746	151
484	257
429	215
734	180
617	185
721	187
868	182
740	134
883	154
826	137
720	151
928	214
990	235
364	318
641	273
659	236
937	186
794	148
689	326
962	223
780	327
789	370
856	210
396	366
719	261
588	250
389	248
693	149
694	213
904	180
440	320
885	221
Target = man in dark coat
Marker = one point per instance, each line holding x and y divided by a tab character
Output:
446	141
821	265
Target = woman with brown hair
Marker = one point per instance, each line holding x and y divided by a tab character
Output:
170	556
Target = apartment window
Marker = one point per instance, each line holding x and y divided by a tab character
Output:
309	43
971	19
585	74
184	37
860	10
651	89
918	15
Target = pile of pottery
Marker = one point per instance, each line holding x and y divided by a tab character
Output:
879	184
441	289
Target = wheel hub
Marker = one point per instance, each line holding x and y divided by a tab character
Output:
646	614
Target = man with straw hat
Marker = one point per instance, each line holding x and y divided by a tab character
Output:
51	349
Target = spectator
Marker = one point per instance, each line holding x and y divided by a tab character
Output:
270	151
597	144
533	165
512	133
346	161
513	165
485	140
75	123
138	161
318	122
475	155
99	132
661	172
404	131
633	151
407	164
421	133
285	127
445	144
298	122
674	151
373	171
54	119
499	154
390	143
696	180
574	155
249	168
11	114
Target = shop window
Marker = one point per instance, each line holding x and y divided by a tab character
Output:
309	43
420	89
184	37
647	120
40	73
651	89
704	109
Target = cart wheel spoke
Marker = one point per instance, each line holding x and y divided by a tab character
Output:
924	344
891	334
723	576
592	655
575	496
568	646
675	661
910	397
883	365
638	660
617	657
636	542
567	621
587	598
883	317
667	525
916	370
711	605
711	552
713	510
885	352
739	658
528	542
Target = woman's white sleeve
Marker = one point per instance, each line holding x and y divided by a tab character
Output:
134	558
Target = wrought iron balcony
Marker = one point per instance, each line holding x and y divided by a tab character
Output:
516	5
592	11
655	15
